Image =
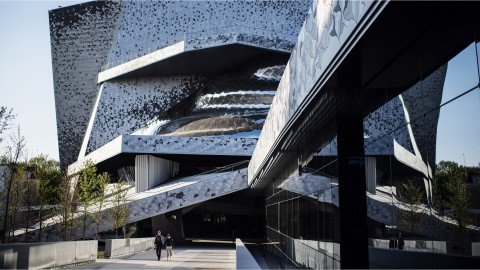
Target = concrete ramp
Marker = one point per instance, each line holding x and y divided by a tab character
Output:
167	197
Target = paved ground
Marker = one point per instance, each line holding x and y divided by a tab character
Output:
183	258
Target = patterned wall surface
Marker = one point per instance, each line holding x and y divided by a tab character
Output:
388	119
150	25
157	144
319	187
207	145
233	105
127	105
323	35
80	40
391	119
85	37
420	99
386	209
162	199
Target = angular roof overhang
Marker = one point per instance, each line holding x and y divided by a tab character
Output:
167	145
179	59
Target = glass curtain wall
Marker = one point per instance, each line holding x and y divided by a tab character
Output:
426	184
422	161
302	214
422	153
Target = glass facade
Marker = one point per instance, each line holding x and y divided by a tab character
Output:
302	216
427	189
422	162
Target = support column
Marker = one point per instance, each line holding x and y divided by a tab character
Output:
352	192
371	174
151	171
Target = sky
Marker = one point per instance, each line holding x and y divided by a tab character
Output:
26	85
458	133
26	82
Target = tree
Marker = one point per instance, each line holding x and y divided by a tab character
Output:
49	177
15	197
13	154
411	198
441	193
66	204
453	190
120	211
102	180
29	200
6	116
92	188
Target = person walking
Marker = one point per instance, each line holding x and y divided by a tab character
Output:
159	239
169	246
392	244
401	243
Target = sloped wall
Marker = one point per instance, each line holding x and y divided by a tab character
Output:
80	39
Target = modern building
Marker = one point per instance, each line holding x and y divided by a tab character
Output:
295	122
172	97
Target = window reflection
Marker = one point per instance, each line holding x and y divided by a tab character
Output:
305	207
422	156
425	189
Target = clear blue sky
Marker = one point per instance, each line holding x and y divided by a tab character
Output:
26	82
459	123
26	85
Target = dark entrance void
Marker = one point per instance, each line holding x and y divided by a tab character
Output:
241	214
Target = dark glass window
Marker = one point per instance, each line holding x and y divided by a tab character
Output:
272	216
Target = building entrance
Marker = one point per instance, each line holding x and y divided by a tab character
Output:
237	215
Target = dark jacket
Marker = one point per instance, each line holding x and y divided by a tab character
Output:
158	241
401	243
169	242
392	243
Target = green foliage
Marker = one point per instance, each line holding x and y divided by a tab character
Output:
49	175
14	151
452	194
451	191
17	194
120	211
101	255
48	179
97	217
92	191
66	206
411	197
29	199
6	117
102	181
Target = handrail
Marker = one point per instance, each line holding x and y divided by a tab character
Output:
318	248
226	167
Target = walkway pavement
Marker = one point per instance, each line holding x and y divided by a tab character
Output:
183	258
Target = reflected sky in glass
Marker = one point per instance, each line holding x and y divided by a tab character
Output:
458	132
